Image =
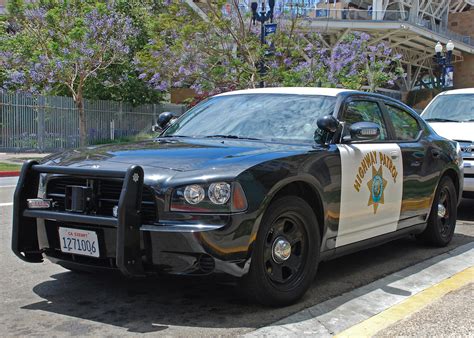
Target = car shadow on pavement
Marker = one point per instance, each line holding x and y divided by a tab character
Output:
466	210
158	304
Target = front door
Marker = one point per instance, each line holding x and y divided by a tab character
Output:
372	178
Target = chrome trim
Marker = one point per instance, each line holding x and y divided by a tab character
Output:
181	227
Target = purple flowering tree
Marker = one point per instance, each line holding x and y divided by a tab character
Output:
211	56
353	62
224	53
63	44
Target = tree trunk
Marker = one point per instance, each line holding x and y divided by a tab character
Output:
82	120
370	78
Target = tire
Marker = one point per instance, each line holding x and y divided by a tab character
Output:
442	222
273	278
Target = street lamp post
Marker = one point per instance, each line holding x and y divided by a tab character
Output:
262	17
444	61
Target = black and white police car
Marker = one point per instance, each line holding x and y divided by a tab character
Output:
257	184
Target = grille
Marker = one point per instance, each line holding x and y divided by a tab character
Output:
107	195
206	263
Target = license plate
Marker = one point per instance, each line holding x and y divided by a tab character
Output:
80	242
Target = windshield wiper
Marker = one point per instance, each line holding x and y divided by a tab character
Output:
440	119
231	136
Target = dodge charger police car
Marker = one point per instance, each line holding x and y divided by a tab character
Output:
257	184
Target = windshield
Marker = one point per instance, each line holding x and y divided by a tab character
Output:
255	116
451	108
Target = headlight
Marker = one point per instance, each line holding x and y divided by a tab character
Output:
218	197
194	194
219	193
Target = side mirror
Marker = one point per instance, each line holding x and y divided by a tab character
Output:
163	119
364	131
328	123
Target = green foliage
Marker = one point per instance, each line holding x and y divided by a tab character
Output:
225	53
9	167
171	46
61	30
15	8
129	139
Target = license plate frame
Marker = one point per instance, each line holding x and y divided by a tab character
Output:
79	242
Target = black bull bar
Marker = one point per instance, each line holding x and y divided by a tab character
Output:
128	222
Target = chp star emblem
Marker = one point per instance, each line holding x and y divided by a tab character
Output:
135	177
376	188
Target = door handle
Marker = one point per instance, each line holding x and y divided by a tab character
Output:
394	155
436	153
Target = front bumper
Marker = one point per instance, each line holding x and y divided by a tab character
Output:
126	244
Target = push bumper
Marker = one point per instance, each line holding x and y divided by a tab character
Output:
135	249
25	232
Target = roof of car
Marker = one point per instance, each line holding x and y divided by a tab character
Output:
291	90
458	91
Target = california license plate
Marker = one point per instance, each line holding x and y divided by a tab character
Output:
79	242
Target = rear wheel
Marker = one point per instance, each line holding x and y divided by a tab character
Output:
286	252
443	215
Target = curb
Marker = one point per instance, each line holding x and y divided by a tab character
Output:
9	173
395	294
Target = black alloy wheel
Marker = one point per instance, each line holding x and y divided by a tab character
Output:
443	215
285	250
285	254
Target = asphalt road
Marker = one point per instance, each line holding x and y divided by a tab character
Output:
44	299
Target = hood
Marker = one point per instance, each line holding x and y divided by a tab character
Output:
178	155
459	131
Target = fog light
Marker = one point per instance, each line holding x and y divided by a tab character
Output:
115	211
39	203
219	193
193	194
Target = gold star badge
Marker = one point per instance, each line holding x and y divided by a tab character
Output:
377	188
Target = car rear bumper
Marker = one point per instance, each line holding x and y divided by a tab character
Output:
125	244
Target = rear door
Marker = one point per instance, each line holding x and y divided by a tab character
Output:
372	177
420	168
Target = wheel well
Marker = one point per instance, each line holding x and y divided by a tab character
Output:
451	173
309	194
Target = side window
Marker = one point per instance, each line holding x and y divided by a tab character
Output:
364	111
406	126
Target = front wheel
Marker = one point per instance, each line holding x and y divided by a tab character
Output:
285	256
443	215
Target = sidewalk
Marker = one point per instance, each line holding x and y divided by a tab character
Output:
400	303
19	158
452	315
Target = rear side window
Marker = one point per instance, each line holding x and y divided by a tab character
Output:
406	126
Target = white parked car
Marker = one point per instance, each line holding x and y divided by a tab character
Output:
451	115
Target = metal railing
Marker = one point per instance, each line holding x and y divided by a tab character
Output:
51	123
322	12
315	13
